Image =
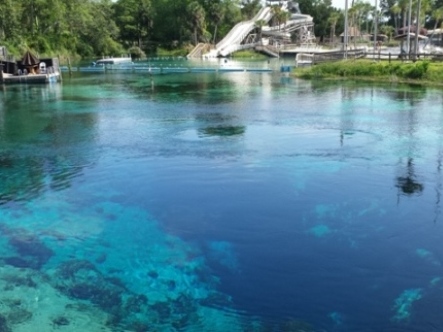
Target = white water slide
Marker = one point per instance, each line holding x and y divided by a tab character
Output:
296	21
232	41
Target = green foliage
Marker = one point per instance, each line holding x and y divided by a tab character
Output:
134	19
250	8
112	27
421	70
173	53
197	24
41	44
435	72
320	10
414	71
248	54
136	52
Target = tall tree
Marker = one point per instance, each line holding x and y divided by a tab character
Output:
8	20
134	18
216	15
197	20
385	8
333	20
320	11
102	32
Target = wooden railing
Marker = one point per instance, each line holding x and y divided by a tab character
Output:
338	55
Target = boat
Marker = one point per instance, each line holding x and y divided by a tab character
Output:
113	61
30	69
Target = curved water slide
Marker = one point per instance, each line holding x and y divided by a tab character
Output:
295	22
232	41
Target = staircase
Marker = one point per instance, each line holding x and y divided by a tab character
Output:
199	50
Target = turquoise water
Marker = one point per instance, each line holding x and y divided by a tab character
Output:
220	202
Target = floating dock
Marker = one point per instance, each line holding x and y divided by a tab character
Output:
163	70
31	78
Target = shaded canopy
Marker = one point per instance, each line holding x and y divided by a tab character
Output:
405	29
30	59
411	35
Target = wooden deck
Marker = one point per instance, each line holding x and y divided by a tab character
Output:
30	78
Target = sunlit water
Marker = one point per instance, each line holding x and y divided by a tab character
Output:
220	202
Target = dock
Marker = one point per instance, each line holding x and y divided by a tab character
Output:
30	78
164	70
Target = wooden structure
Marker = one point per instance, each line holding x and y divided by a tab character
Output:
30	69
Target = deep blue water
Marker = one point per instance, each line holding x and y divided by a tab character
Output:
220	202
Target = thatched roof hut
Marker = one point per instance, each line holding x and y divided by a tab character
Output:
30	61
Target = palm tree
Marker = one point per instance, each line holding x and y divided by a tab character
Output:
333	20
366	11
401	9
387	30
282	18
260	24
276	11
396	12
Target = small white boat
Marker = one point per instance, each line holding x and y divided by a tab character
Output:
304	59
113	61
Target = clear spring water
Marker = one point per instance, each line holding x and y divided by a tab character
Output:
220	202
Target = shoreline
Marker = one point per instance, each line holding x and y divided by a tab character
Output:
424	73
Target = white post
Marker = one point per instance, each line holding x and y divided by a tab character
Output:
375	26
409	28
345	42
417	29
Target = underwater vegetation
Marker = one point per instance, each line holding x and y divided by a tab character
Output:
427	256
31	251
403	304
60	321
4	327
336	317
223	253
295	325
320	231
81	280
87	289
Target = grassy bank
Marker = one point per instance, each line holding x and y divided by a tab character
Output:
423	72
248	54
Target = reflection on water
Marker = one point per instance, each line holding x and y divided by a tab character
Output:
222	131
407	183
34	157
220	202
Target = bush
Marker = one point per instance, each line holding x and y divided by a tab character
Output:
414	71
421	70
136	52
248	54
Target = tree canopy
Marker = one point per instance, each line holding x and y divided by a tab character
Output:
112	27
